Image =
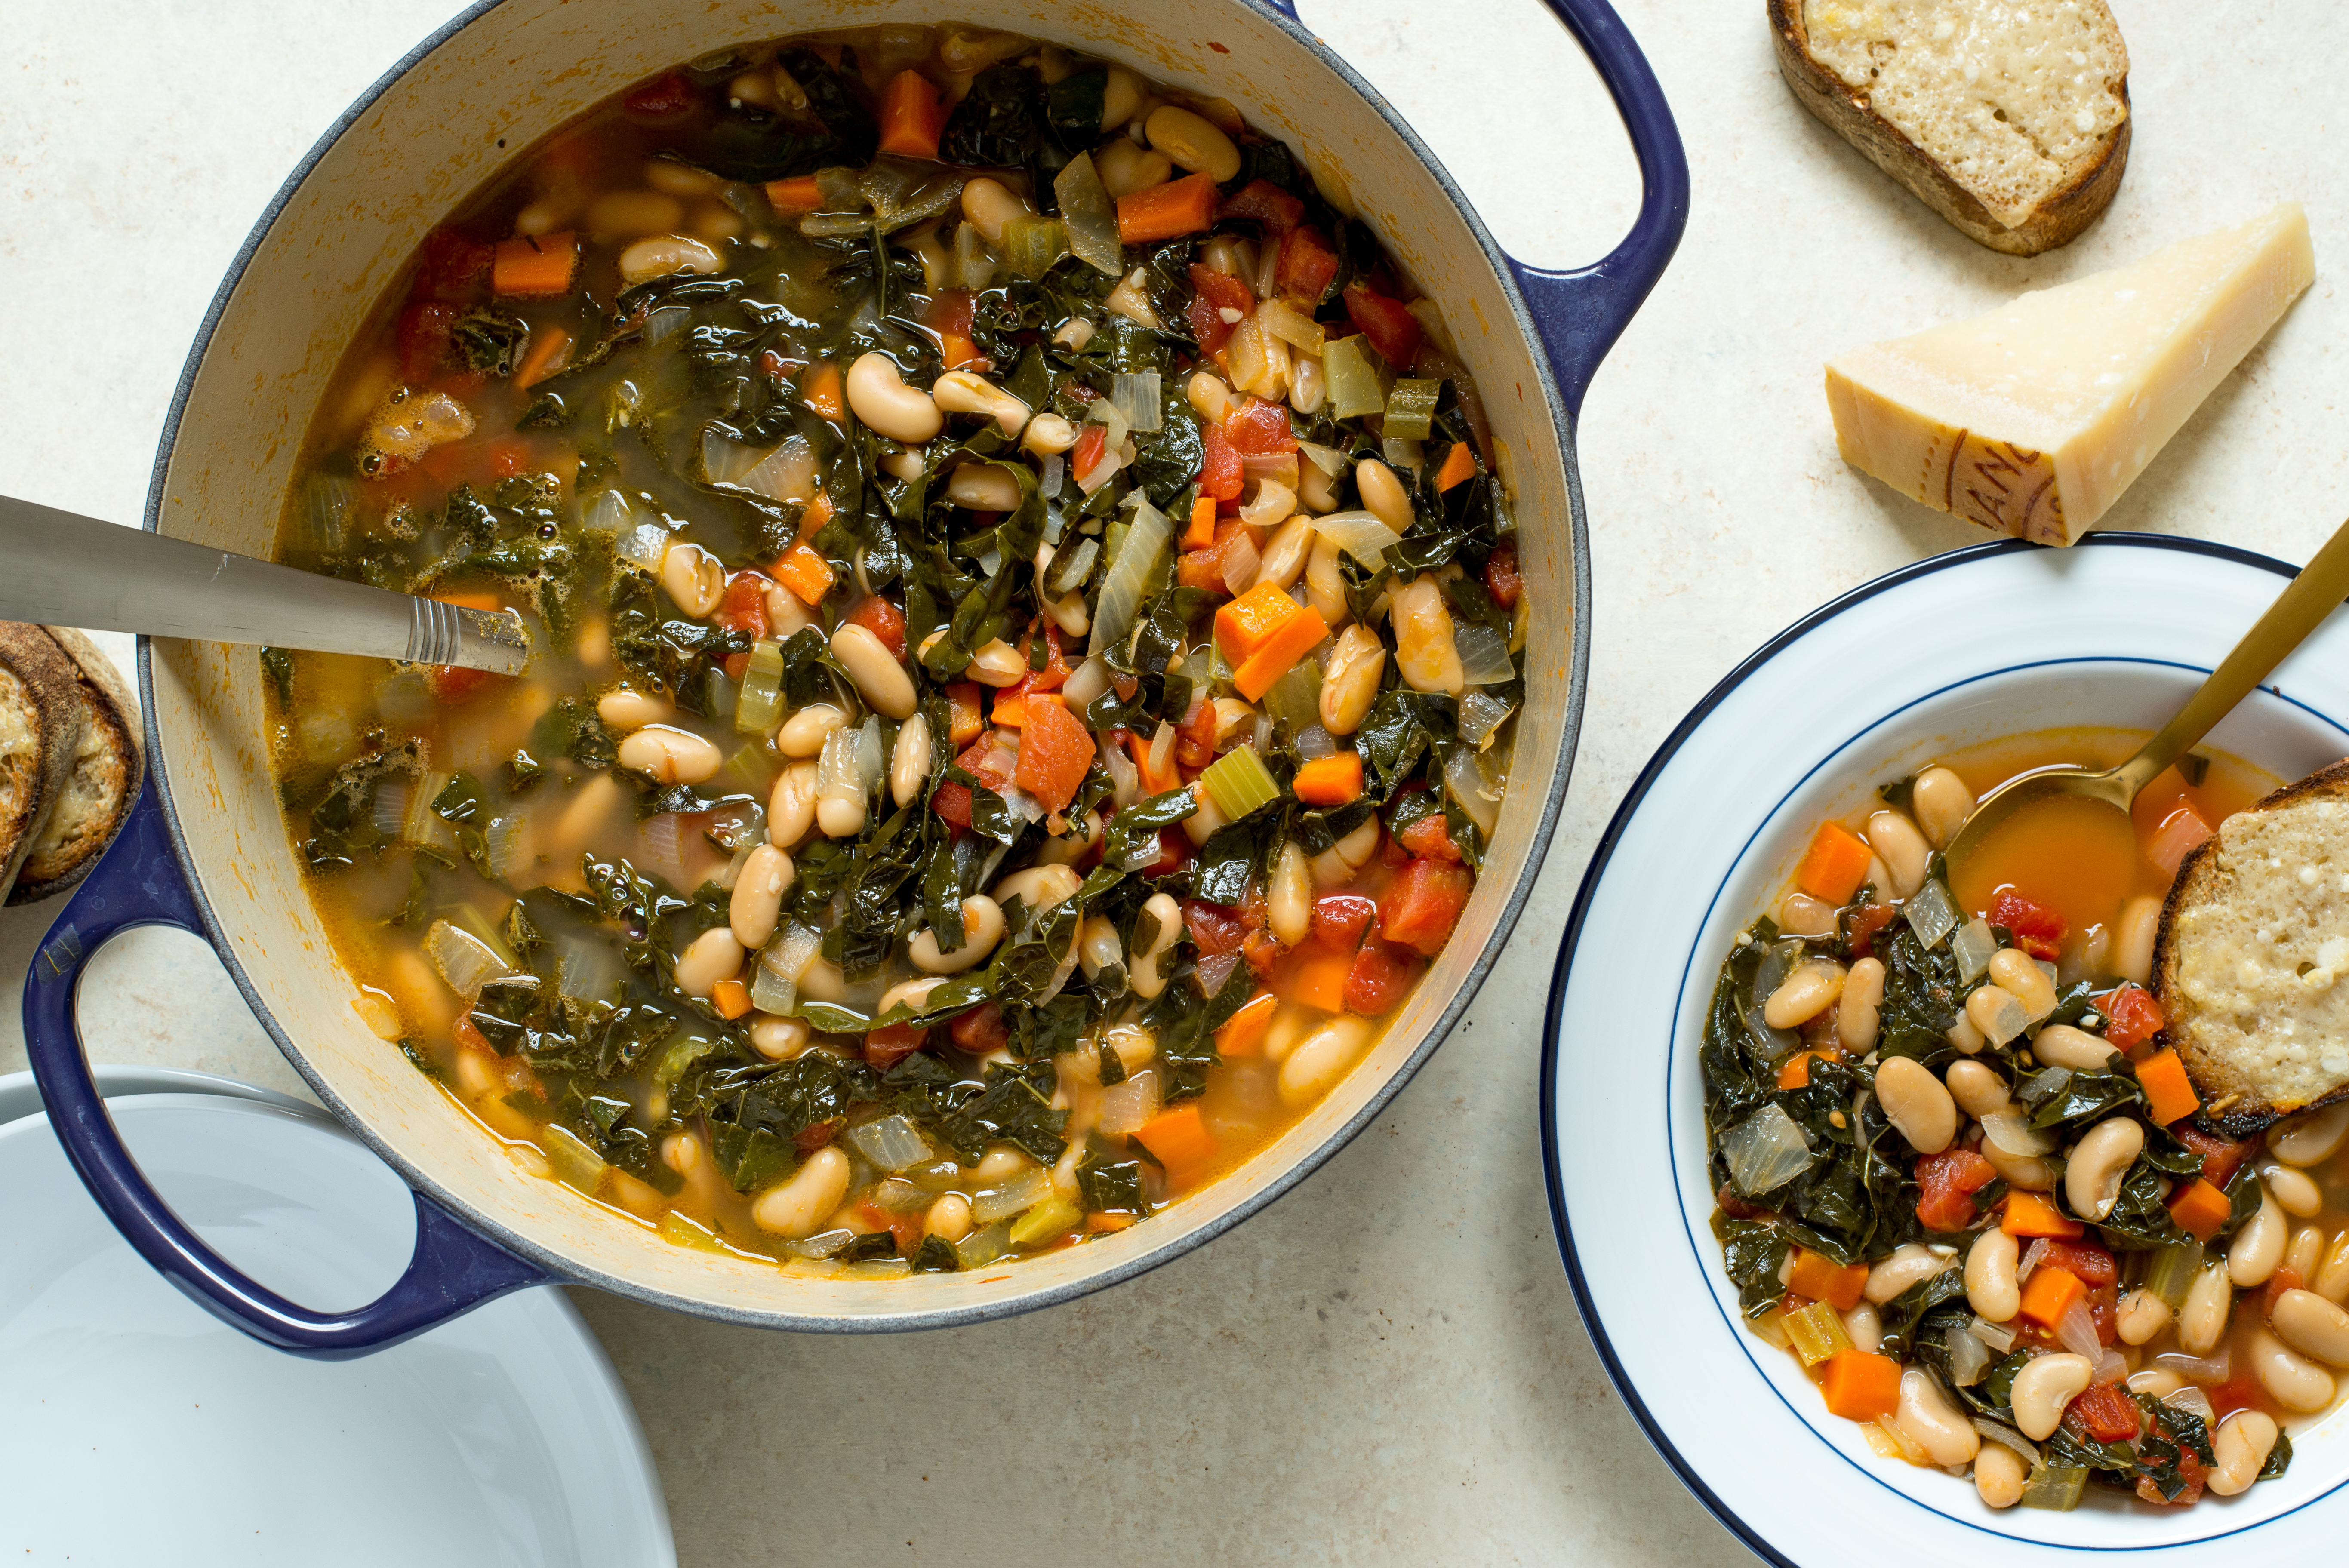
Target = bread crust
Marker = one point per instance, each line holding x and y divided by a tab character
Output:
2058	221
2241	1111
48	690
115	766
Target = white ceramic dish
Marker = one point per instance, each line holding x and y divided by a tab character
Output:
1964	647
135	1428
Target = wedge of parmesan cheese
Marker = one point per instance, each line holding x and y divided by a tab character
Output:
2033	419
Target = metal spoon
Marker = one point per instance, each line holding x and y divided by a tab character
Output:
74	571
2299	610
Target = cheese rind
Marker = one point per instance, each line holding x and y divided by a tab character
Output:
2031	421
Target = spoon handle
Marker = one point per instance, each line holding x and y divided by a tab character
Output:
2299	610
74	571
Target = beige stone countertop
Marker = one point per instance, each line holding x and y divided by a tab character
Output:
1386	1366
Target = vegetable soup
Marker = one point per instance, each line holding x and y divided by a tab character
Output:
1963	1180
1029	644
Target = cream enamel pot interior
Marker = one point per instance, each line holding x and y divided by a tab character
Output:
207	849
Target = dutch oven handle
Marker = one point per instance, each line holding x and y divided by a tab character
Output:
1580	313
140	883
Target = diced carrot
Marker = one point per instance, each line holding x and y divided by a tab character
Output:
1317	978
2181	834
1860	1385
814	515
2168	1090
1202	532
962	712
452	684
488	602
1295	639
1241	1034
2285	1280
1153	780
1459	464
1819	1277
950	315
1010	709
1178	1139
534	265
1835	865
1055	750
2050	1292
2029	1214
821	391
1331	780
1794	1072
731	997
1106	1222
912	116
2200	1209
549	350
1422	903
792	198
1166	211
805	572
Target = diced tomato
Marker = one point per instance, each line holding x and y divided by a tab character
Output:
660	98
2108	1412
2038	930
2285	1278
1216	293
1259	429
1947	1183
454	684
1261	951
1501	579
2221	1157
1340	920
1194	738
452	265
1215	928
1091	444
2190	1471
980	1030
2132	1018
884	620
1429	836
1379	976
2105	1312
905	1228
1392	330
1306	266
886	1047
2090	1263
1262	201
951	801
815	1136
423	339
1174	849
983	760
1423	904
1221	474
1055	673
1865	922
744	608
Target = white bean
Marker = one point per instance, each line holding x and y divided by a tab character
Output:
2027	1171
1998	1476
2044	1387
1098	947
878	395
1192	142
1047	434
2311	1139
1990	1285
2312	1326
693	577
1909	1262
1859	1010
911	995
983	487
1315	1063
1127	167
758	899
1350	684
2294	1191
2331	1280
1120	98
997	664
989	204
791	805
880	679
2202	1321
2257	1250
622	214
779	1039
1041	887
2018	974
712	956
982	928
1804	995
1800	915
948	1219
1290	899
1145	975
2140	1316
909	761
2291	1379
625	709
1865	1326
1425	651
1284	552
1942	803
1335	866
669	755
2133	933
1947	1437
804	733
2241	1444
1383	494
2092	1178
961	392
658	255
1903	850
2305	1254
1978	1090
2062	1046
1917	1104
796	1207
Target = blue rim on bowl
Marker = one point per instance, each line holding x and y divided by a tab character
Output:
1730	870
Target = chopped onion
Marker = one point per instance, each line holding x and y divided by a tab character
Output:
1765	1151
1295	699
822	1245
1359	534
872	755
1973	947
1017	1196
770	993
1480	716
424	825
1998	1432
390	809
893	1143
974	262
1241	561
588	970
2194	1402
327	504
1088	681
1281	468
2204	1369
1056	467
790	954
787	473
663	839
1931	914
1090	215
1969	1356
1161	750
2077	1330
2014	1136
502	843
2032	1255
1131	299
1996	1335
1214	969
1314	743
608	512
983	1245
1137	561
1291	325
465	961
1128	1106
1125	777
1466	779
1484	654
1329	460
2112	1368
1768	975
402	697
1401	453
1136	395
643	546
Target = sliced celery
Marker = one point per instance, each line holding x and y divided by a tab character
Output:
2172	1271
1047	1220
2055	1486
1816	1333
1239	783
1295	698
761	703
675	1227
1354	374
576	1164
1030	245
1410	410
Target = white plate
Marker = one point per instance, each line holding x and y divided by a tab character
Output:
135	1428
1963	647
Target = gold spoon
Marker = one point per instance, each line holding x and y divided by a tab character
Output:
2299	610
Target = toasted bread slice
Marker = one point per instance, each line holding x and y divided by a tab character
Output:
2251	964
2008	118
40	730
107	768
